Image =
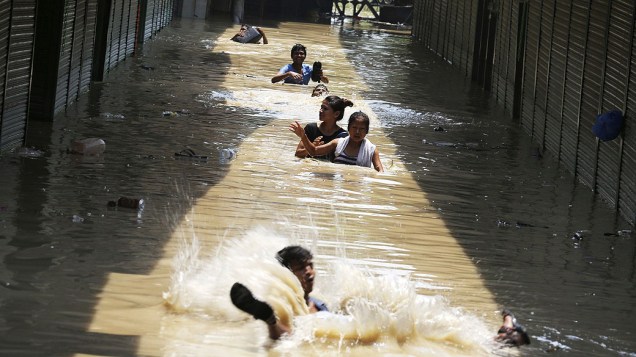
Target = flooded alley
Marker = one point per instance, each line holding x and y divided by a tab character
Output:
467	219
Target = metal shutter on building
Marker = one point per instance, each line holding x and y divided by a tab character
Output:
132	27
590	104
18	52
5	25
614	85
556	76
150	10
530	65
499	62
76	52
66	49
543	72
627	198
90	19
577	41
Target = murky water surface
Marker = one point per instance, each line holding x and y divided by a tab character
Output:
469	218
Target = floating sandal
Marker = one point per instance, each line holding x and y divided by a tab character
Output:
189	153
243	299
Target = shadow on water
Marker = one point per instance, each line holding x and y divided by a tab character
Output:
532	231
66	240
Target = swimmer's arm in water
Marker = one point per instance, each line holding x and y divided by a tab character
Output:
281	76
301	152
262	34
312	149
377	164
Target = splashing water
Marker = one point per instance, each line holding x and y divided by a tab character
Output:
381	313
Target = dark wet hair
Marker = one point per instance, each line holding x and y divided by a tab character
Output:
293	254
338	104
356	115
298	47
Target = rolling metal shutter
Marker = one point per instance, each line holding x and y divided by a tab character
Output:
90	20
543	70
76	52
17	52
66	48
592	86
614	85
627	199
5	25
570	128
530	65
150	11
556	76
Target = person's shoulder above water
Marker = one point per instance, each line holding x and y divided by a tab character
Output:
250	34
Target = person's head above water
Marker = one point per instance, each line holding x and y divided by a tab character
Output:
298	48
300	262
361	118
336	104
319	90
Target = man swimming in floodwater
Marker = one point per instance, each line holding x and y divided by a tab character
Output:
300	262
511	333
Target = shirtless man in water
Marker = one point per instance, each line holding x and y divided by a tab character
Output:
300	262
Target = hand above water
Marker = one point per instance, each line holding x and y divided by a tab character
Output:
297	129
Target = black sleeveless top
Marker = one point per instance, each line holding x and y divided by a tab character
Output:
313	132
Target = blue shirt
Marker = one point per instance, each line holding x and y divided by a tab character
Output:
306	73
320	306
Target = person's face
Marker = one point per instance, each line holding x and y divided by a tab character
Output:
326	112
298	56
357	129
318	91
305	273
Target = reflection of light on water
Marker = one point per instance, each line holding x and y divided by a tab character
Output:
373	306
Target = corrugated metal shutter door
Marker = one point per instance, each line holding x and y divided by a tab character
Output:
627	199
150	11
615	85
132	27
579	17
115	33
5	25
512	56
88	46
543	70
17	72
499	62
530	65
556	77
66	48
594	64
435	30
77	52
